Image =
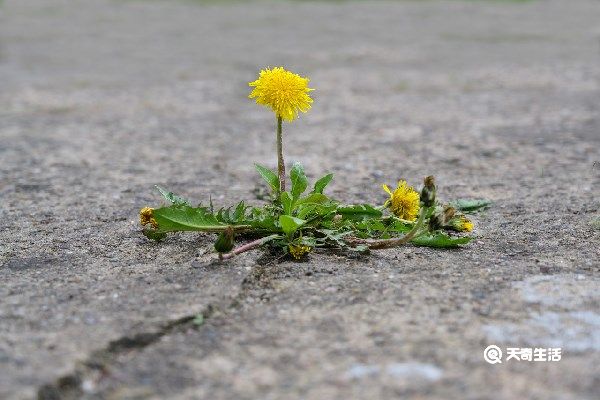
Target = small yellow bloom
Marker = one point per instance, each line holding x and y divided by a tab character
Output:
299	250
403	201
285	92
462	224
147	217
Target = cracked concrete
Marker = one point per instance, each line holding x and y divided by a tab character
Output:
102	101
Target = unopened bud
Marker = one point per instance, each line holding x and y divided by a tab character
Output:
224	242
428	192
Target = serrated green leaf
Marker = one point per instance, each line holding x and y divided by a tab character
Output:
322	183
290	224
470	205
314	210
269	176
299	180
172	197
186	218
239	212
440	240
359	211
262	219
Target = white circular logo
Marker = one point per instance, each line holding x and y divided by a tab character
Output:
492	354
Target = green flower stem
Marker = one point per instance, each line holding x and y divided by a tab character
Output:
375	244
247	247
280	162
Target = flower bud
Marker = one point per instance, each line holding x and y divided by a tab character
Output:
224	243
428	192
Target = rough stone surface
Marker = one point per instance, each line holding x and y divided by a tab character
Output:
102	100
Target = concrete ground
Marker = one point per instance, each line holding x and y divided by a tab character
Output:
100	100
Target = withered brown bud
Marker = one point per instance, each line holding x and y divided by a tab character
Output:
449	213
441	218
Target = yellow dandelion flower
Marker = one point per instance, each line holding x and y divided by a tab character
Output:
285	92
299	250
403	201
147	217
462	224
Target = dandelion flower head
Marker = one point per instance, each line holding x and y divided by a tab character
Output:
285	92
463	224
403	201
298	250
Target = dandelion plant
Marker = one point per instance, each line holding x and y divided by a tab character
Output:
298	220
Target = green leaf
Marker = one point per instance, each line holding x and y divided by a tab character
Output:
290	224
359	211
198	320
315	210
269	176
334	235
186	218
470	205
299	180
270	238
315	198
383	229
286	201
154	234
306	209
440	240
261	218
322	183
239	212
172	197
361	248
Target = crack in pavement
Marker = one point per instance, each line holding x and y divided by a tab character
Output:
70	386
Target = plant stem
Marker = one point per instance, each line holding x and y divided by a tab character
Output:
246	247
375	244
280	162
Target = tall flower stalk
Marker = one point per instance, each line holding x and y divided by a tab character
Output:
286	94
280	161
